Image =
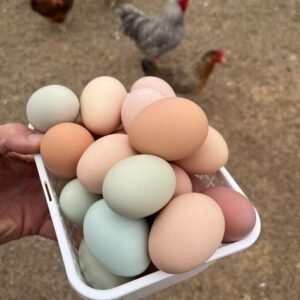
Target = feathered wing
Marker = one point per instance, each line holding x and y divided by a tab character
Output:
153	35
158	38
132	18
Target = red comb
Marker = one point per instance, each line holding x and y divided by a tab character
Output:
220	56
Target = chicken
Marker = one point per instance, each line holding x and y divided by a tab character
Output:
181	82
154	36
55	10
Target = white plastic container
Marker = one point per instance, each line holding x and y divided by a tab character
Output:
145	285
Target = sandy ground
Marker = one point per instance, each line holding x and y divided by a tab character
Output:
253	100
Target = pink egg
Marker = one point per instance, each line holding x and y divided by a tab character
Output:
98	159
136	101
238	212
183	182
154	83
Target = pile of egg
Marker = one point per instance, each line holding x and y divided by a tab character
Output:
131	160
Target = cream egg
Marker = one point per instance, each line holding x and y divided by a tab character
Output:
210	157
101	102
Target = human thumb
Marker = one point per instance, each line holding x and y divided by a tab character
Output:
16	137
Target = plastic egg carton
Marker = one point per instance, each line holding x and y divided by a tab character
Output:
147	284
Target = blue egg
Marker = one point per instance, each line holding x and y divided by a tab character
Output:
118	243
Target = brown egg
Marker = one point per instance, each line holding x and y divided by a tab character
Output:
183	182
209	158
99	157
238	211
62	147
186	233
171	128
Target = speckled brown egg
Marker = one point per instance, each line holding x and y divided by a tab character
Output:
171	128
62	147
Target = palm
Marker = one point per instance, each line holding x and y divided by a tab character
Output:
22	203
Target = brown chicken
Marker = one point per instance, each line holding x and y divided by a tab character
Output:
54	10
180	81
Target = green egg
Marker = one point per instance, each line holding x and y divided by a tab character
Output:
51	105
75	200
95	274
118	243
139	186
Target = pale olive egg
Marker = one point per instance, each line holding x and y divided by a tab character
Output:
51	105
95	274
75	200
98	159
209	158
139	186
183	182
118	243
62	146
172	128
101	102
155	83
238	211
186	233
135	102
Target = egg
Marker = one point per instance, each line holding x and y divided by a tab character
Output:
62	146
118	243
101	102
98	159
209	158
186	233
75	200
135	102
95	274
155	83
51	105
183	182
139	186
171	128
238	211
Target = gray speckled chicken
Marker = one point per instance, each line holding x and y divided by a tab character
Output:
154	35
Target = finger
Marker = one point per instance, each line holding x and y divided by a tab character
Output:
16	137
29	158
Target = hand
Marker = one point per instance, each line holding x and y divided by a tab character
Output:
23	208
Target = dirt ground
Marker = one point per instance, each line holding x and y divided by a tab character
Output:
252	99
